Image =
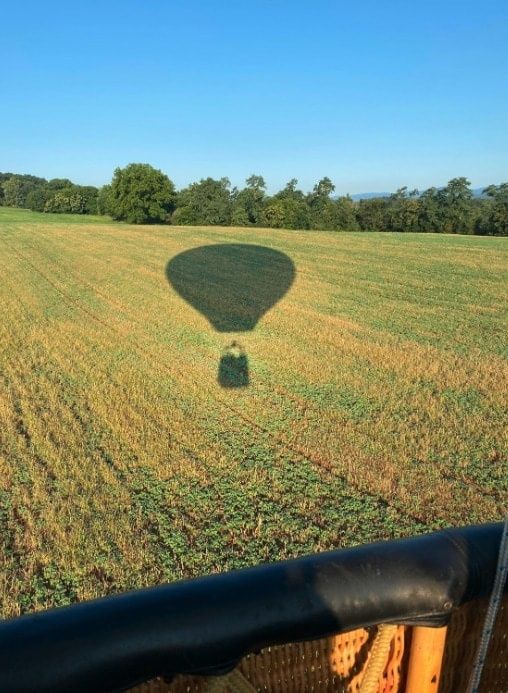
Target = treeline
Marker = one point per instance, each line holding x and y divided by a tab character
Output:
58	195
140	194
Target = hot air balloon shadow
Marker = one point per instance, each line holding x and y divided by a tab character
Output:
233	285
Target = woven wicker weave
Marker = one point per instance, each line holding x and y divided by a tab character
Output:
328	665
337	664
462	641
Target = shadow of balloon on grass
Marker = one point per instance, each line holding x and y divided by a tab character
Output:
233	285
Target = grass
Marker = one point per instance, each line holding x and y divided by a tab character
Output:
13	214
375	405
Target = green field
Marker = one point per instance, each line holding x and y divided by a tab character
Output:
375	407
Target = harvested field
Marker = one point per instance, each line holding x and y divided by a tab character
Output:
375	404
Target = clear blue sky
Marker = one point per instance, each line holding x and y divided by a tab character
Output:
373	94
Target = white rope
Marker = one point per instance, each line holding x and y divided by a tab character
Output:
378	658
492	610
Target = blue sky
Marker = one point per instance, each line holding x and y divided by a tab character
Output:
373	94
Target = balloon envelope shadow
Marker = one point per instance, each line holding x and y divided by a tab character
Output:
232	285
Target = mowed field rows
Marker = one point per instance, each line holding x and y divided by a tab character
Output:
375	406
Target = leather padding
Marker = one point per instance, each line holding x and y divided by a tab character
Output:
208	624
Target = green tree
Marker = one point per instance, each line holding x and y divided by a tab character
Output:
15	192
239	215
430	217
344	214
103	200
494	217
456	208
141	194
71	199
205	203
372	214
4	177
66	201
274	214
89	193
287	209
290	191
36	199
286	213
17	188
248	203
59	184
327	213
324	188
321	208
403	210
255	182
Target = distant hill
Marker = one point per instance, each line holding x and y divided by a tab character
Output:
369	195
